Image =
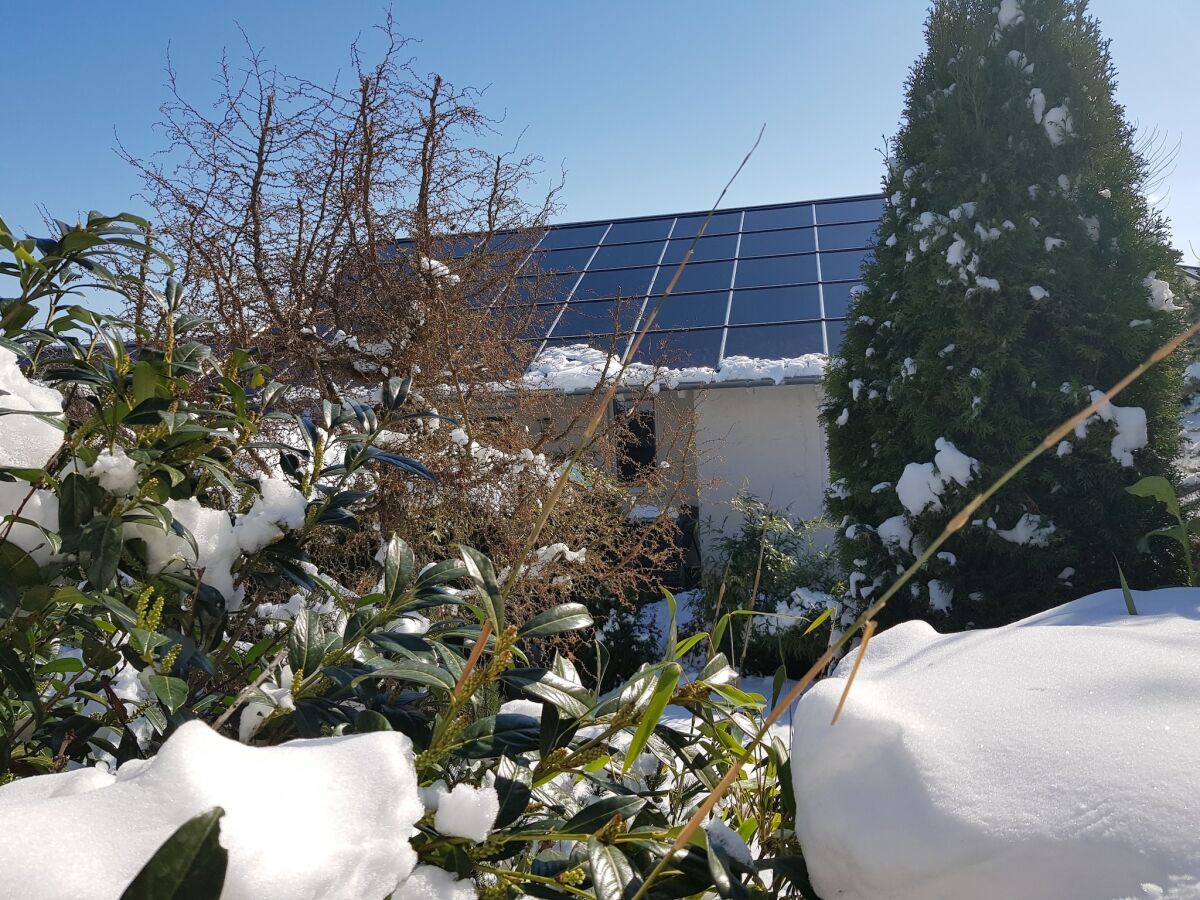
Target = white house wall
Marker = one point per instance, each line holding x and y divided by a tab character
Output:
768	440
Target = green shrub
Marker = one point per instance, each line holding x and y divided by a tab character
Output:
773	578
154	572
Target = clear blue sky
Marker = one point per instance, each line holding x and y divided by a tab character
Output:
647	105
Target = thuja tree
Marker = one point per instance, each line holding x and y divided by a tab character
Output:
1019	268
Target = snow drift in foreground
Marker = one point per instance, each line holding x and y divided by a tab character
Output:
323	818
1058	757
579	367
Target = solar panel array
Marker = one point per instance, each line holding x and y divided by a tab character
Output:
771	282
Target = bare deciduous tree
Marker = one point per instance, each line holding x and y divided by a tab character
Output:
358	231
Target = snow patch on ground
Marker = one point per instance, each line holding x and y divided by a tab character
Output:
1033	761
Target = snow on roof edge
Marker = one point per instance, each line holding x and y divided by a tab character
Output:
578	368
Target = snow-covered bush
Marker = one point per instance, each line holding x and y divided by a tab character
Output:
162	630
1019	268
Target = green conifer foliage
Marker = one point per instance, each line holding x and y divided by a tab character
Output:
1019	267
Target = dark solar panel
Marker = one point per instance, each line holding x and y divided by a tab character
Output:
770	282
621	255
677	349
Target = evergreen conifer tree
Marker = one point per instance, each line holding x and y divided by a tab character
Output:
1018	268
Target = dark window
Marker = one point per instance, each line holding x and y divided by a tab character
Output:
622	255
561	260
709	276
778	304
614	283
774	341
721	223
576	236
843	265
721	246
850	211
645	230
856	236
598	317
681	348
773	243
691	310
639	450
837	299
779	217
776	270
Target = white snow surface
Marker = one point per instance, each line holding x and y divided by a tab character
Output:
1037	105
220	540
115	472
1161	296
323	818
1054	759
29	442
1058	124
467	811
1030	529
1010	14
579	367
1130	422
921	484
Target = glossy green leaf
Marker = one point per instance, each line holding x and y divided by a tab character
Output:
370	720
1158	488
1130	606
565	617
144	382
306	644
818	621
479	569
599	813
173	692
102	542
613	875
514	788
190	865
399	562
664	689
545	685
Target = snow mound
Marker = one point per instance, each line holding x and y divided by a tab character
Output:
1058	757
322	818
